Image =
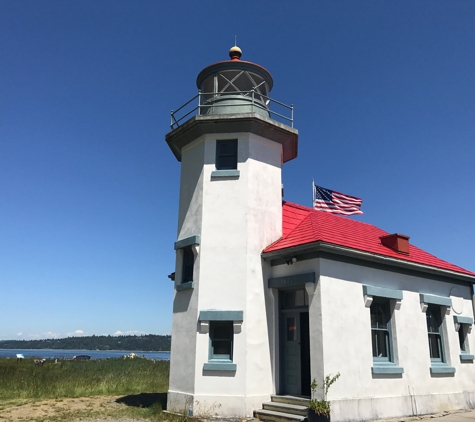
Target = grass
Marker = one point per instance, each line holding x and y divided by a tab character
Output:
22	383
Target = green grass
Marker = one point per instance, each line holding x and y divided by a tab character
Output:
69	379
139	384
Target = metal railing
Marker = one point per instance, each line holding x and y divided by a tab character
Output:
208	100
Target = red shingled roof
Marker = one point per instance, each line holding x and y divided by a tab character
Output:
303	225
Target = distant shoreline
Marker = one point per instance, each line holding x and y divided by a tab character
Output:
95	350
147	342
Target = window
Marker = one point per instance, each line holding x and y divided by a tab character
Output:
188	250
434	329
222	327
464	325
295	299
435	307
382	303
226	155
221	338
380	331
187	266
463	339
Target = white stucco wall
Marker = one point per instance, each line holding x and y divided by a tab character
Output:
359	394
236	219
340	341
185	304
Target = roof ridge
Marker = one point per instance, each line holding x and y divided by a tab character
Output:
315	225
344	217
301	221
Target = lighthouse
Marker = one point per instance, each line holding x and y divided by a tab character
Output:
231	147
271	295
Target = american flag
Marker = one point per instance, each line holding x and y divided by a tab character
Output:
335	202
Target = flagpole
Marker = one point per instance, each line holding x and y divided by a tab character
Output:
313	193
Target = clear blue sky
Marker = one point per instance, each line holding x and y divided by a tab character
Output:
384	96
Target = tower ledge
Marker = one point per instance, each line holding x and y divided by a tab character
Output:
228	123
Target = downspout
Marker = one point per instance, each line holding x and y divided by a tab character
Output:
473	299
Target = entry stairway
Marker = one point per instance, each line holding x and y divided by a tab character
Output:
283	409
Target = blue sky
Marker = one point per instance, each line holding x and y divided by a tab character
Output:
384	96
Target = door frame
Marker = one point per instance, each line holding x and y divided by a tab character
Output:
302	336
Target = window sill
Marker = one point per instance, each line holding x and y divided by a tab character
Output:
442	369
185	286
388	368
225	173
219	366
465	357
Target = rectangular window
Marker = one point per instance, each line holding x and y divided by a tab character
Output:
188	263
434	330
463	338
464	325
383	304
291	329
381	331
221	337
295	299
226	155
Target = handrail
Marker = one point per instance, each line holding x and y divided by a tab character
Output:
262	100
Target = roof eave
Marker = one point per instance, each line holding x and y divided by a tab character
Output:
367	256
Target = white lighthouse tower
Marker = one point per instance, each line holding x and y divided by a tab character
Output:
231	149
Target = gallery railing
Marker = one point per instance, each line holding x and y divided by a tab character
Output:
234	102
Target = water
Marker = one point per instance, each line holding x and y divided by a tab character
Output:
68	354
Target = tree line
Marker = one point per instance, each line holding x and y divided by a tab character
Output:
148	342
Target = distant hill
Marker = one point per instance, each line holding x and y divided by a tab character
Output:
148	342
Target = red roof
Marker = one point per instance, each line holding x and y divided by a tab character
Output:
303	225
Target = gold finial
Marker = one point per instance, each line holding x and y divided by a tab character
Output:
235	53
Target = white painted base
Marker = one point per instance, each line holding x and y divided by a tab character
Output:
206	406
389	407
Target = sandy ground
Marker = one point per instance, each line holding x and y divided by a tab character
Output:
98	409
80	409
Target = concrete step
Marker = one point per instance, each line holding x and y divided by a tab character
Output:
298	401
273	416
293	409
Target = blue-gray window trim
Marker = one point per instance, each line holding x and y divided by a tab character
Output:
435	300
234	174
185	286
212	315
217	315
290	280
188	241
442	369
389	369
466	357
184	244
385	365
463	320
219	366
382	292
439	366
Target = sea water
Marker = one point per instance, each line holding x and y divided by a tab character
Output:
69	354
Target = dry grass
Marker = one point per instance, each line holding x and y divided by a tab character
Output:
81	391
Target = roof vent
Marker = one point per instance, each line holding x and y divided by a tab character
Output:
397	242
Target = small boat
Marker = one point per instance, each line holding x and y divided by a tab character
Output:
82	357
